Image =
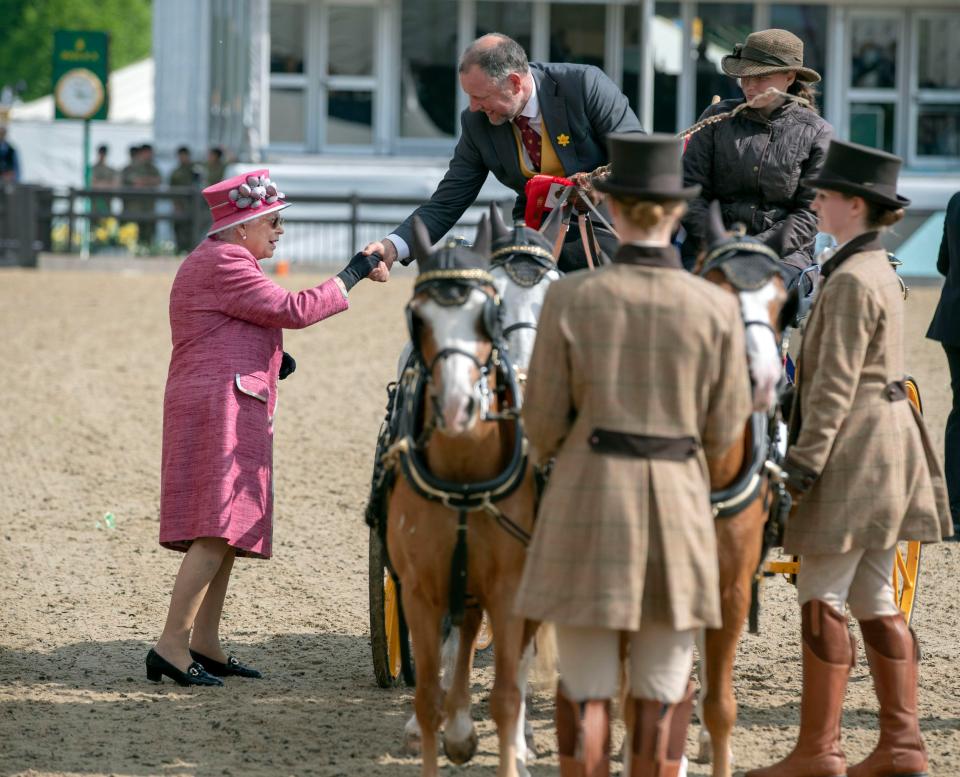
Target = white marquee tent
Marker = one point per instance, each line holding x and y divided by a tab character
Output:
51	152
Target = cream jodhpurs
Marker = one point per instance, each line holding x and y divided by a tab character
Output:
859	578
660	662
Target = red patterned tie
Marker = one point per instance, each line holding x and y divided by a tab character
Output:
531	140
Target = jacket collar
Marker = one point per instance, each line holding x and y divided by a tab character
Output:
783	110
648	256
868	241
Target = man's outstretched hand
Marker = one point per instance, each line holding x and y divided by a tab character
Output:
387	250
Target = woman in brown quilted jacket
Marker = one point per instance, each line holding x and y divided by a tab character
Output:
754	163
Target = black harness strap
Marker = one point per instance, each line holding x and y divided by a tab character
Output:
460	497
458	572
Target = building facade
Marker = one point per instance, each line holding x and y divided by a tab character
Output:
375	80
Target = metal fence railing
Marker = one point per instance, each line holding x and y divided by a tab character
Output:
320	229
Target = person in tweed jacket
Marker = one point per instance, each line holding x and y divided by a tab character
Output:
638	377
216	491
863	475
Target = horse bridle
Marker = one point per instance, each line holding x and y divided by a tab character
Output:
472	278
504	258
715	259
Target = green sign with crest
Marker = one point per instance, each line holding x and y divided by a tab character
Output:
80	71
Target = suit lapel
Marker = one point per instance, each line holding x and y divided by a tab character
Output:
505	145
554	113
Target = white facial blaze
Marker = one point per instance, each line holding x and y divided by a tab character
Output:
763	354
521	304
456	327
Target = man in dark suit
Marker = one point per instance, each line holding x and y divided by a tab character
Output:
524	118
945	328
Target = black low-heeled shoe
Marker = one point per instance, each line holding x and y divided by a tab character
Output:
220	669
158	666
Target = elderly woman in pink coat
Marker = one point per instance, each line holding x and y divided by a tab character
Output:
216	494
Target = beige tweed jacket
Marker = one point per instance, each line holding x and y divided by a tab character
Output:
642	347
879	478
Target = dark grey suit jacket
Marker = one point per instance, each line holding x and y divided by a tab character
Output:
575	100
945	326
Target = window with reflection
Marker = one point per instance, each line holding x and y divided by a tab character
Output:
872	124
718	28
349	117
938	131
873	52
938	55
632	55
506	16
287	116
428	69
809	23
350	51
577	33
288	27
667	40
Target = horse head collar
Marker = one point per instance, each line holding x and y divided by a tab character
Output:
524	254
450	270
747	263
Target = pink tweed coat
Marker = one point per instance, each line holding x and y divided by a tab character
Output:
226	321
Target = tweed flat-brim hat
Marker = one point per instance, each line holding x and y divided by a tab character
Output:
766	52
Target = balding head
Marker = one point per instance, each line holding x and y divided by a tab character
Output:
496	55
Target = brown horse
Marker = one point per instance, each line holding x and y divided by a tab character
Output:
463	505
749	269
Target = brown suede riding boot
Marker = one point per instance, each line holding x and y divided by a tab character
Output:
659	735
583	736
894	657
828	654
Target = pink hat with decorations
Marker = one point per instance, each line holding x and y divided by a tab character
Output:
243	198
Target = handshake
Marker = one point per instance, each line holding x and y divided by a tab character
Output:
358	268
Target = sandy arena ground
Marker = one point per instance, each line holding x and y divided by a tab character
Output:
80	604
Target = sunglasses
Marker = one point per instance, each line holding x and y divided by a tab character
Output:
275	222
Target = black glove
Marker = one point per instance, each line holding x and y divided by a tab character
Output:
358	269
287	365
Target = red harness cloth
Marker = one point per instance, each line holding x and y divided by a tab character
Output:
542	192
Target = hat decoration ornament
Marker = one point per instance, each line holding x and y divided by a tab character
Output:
258	190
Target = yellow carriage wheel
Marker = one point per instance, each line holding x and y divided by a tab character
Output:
389	637
906	566
391	619
906	573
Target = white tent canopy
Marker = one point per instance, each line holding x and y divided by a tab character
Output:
51	152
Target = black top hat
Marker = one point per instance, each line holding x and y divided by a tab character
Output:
866	172
647	167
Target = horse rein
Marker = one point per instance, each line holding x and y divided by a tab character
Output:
604	170
765	325
503	258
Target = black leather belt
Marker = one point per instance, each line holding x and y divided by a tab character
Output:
895	391
642	446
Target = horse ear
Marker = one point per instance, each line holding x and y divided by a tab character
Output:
716	231
422	247
553	228
778	238
481	243
500	229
